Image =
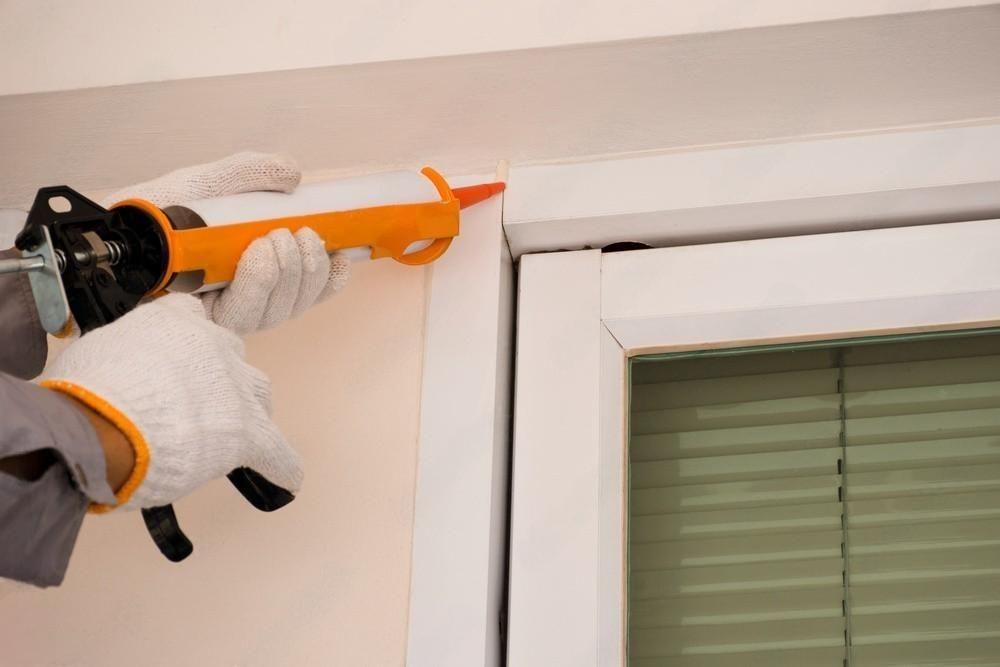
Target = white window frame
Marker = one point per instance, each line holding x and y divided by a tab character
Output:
567	585
460	552
457	580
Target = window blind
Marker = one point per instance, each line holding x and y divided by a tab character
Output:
817	507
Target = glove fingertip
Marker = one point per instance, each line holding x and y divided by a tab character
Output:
282	233
286	251
240	305
275	172
257	268
308	235
279	463
313	251
339	275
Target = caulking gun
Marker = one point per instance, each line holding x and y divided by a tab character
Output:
92	265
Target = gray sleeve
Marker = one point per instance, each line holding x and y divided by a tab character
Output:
24	347
40	519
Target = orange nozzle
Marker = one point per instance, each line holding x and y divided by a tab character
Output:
473	194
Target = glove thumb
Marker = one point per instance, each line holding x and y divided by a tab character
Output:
274	458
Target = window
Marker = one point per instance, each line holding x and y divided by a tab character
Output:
811	506
586	319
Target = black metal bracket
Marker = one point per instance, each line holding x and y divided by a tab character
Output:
98	288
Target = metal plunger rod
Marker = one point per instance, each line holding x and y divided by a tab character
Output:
112	252
21	265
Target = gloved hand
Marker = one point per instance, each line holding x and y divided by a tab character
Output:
279	275
179	389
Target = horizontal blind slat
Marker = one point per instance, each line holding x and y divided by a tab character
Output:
807	657
963	347
922	481
954	593
922	373
939	564
743	578
937	425
780	411
920	452
923	626
722	495
727	608
961	652
739	389
734	468
719	523
731	441
923	509
924	536
732	550
746	638
915	400
651	372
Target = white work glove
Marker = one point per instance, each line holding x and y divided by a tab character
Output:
280	275
179	389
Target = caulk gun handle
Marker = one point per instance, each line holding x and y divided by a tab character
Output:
259	492
163	527
161	522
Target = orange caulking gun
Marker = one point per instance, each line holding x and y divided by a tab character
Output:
93	265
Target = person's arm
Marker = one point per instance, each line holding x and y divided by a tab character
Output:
24	347
52	461
166	393
23	355
119	458
54	467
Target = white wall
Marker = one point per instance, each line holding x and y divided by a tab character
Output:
58	45
324	581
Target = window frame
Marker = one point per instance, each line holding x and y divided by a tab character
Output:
567	579
461	567
458	561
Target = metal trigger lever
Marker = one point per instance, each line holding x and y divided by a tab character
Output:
259	492
163	527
